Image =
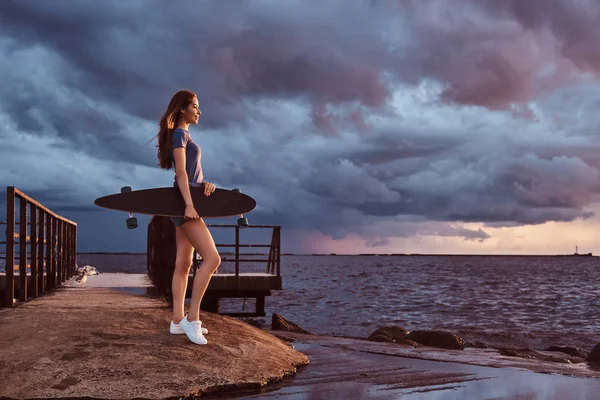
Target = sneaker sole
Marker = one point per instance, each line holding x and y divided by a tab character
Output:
180	331
202	342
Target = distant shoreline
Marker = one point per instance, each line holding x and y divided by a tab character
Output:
111	252
373	254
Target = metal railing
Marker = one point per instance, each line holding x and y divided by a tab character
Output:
161	251
273	259
52	242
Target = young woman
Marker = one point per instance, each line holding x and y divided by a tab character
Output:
176	148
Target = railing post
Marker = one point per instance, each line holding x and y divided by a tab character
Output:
66	256
60	249
57	249
10	247
278	250
74	248
41	238
273	250
34	249
71	258
63	251
49	258
54	252
23	249
70	252
67	251
237	250
271	256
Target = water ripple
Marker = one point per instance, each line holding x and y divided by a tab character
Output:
522	300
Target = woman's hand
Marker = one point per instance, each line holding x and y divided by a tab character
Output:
190	213
209	188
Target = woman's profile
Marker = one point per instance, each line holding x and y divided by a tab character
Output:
177	149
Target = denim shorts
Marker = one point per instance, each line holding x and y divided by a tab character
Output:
178	221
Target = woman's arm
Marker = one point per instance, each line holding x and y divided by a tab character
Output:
181	175
182	182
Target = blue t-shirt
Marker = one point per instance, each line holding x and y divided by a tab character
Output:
193	154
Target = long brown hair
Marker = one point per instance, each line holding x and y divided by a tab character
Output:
180	100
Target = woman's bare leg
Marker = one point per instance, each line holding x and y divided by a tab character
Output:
200	238
183	262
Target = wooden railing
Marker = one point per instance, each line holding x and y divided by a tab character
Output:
273	259
52	242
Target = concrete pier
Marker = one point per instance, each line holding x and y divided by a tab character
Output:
110	339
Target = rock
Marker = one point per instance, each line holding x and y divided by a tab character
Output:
408	342
380	338
278	323
536	355
444	340
392	334
388	334
383	338
522	353
594	355
573	351
476	344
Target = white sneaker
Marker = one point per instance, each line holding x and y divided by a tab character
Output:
175	329
193	330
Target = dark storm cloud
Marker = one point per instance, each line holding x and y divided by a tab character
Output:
320	109
574	24
128	53
489	54
495	53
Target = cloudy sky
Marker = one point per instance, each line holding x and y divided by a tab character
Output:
359	126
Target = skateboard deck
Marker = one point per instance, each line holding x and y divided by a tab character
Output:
168	202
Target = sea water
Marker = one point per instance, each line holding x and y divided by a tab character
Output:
502	301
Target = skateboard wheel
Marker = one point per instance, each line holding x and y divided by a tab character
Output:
132	223
242	222
236	190
126	189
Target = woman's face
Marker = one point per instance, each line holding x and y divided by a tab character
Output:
192	113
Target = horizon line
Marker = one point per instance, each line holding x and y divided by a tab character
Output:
375	254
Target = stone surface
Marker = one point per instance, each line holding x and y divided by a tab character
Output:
393	333
441	339
594	356
344	368
101	341
572	351
278	323
549	356
472	356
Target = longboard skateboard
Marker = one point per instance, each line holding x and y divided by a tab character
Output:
168	202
